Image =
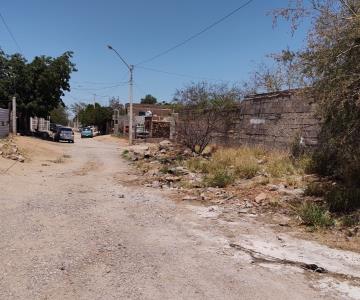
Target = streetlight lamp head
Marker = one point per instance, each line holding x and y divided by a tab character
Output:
109	47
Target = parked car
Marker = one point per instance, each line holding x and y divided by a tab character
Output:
86	133
64	134
54	127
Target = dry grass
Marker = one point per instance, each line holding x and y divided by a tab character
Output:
229	164
59	160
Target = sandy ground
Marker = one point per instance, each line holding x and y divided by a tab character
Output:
75	225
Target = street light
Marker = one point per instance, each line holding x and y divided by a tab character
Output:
131	69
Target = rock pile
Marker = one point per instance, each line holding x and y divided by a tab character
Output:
9	150
161	164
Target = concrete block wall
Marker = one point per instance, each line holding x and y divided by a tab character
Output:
272	120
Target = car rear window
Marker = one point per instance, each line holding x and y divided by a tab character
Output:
66	129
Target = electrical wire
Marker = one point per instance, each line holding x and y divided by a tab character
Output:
10	33
207	28
101	88
95	83
178	74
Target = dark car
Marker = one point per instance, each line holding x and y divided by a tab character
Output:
54	127
64	134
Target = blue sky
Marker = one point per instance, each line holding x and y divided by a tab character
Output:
139	29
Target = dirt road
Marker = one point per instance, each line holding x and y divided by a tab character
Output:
79	227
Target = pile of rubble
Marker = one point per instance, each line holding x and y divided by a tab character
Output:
161	165
9	150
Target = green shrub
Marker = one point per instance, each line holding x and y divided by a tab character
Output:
280	166
164	170
247	169
197	164
314	215
125	154
315	189
343	199
305	164
350	220
220	178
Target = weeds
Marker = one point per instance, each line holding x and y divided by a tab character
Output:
125	154
220	178
244	163
59	160
164	170
350	220
280	165
343	199
314	215
315	189
197	165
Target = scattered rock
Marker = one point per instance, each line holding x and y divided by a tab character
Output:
261	197
272	187
20	158
172	178
121	196
155	184
165	144
314	268
190	198
187	152
147	154
179	171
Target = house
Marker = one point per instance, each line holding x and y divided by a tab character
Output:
149	120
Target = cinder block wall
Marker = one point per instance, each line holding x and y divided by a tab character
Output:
272	120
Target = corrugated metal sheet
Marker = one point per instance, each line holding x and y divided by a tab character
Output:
4	122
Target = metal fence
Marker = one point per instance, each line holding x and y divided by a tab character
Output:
4	122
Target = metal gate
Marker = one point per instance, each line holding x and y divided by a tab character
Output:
4	122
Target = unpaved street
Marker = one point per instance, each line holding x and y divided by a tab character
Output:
82	228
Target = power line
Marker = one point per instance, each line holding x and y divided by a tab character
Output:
95	83
178	74
139	88
101	88
10	33
101	83
207	28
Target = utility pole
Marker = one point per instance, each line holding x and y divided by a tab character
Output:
131	104
131	83
14	115
94	100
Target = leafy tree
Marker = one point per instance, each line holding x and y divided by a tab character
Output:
38	86
148	99
330	62
59	115
95	115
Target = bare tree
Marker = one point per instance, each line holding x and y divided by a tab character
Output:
203	111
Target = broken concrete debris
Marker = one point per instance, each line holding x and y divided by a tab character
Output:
9	150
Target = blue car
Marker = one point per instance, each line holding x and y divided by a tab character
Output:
86	133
